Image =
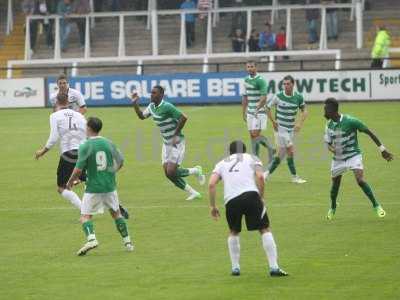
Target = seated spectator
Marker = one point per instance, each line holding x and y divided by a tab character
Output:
238	41
253	41
267	40
239	19
281	39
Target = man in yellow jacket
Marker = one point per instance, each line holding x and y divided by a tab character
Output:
380	50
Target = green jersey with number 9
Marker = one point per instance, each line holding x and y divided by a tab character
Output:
101	159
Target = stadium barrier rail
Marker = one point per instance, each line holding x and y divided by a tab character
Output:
212	16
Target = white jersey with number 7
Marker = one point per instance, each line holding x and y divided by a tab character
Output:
238	174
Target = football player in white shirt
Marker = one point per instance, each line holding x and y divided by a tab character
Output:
67	127
243	179
75	98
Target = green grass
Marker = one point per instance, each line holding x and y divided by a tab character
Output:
180	251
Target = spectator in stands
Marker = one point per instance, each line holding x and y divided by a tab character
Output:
239	19
81	7
64	8
312	16
281	39
267	39
190	20
253	41
115	5
45	9
380	50
331	21
29	8
204	5
238	41
98	5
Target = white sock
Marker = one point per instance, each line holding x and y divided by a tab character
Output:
91	237
72	197
190	190
270	250
234	250
126	240
193	171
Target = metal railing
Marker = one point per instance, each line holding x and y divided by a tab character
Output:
212	17
74	63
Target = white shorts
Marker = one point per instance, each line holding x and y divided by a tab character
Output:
284	138
339	167
173	154
256	122
94	203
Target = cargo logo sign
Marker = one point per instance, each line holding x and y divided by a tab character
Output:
26	92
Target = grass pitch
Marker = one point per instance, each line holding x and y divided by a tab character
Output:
181	252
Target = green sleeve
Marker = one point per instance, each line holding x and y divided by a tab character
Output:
82	157
357	124
117	155
262	86
302	103
175	113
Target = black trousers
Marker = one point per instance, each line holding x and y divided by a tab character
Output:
189	33
376	63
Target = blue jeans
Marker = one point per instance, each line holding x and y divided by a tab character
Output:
65	30
312	31
332	24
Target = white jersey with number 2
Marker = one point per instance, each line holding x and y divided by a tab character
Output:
68	127
238	174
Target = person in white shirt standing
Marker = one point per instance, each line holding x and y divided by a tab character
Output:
75	97
67	127
243	179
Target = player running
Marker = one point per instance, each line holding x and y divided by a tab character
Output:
243	193
100	157
287	104
253	103
68	127
341	139
171	121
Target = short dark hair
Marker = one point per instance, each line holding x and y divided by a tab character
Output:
237	147
61	77
95	124
251	62
332	103
289	77
62	98
160	89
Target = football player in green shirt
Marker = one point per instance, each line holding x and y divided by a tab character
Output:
101	159
171	121
254	114
341	139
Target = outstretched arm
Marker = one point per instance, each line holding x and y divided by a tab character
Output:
385	154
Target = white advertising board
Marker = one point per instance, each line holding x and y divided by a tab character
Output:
24	92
